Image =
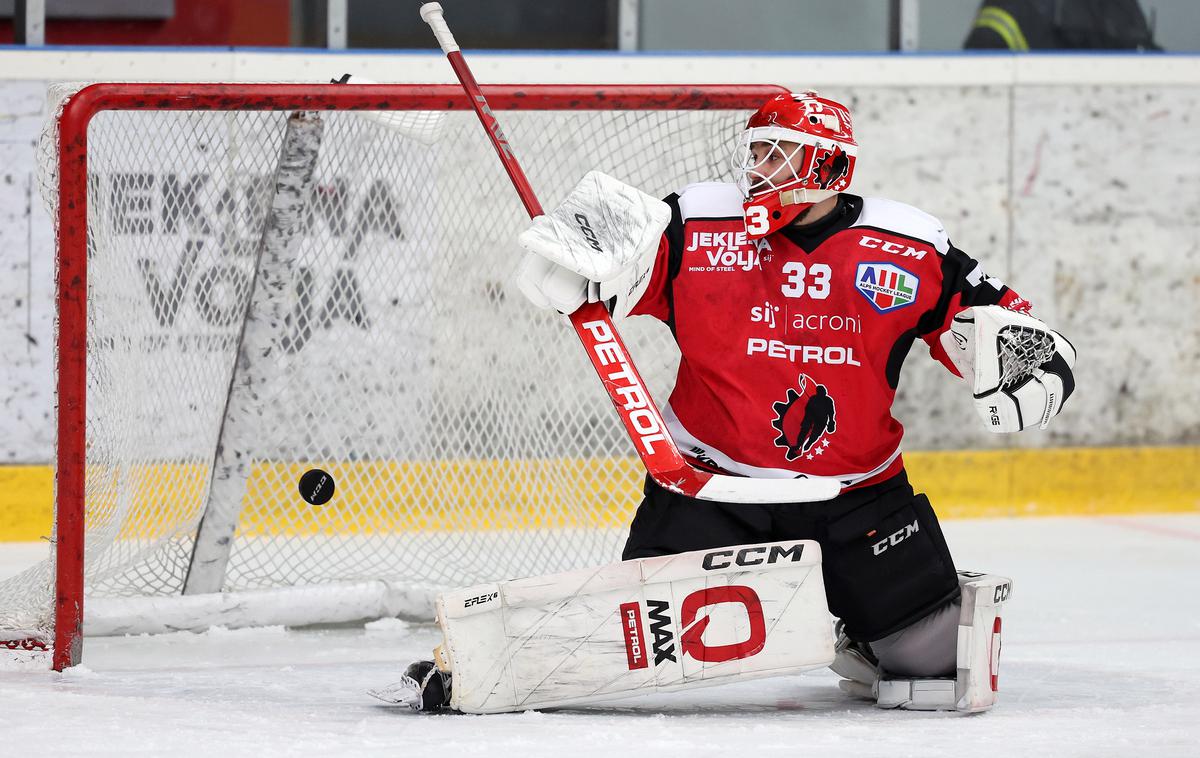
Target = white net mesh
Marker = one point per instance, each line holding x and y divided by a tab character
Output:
467	434
1022	349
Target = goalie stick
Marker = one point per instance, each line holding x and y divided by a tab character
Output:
608	353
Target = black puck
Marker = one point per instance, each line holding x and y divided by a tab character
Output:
316	486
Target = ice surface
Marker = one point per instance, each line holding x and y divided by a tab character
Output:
1101	658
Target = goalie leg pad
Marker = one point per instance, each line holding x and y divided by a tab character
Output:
975	685
653	624
978	681
916	694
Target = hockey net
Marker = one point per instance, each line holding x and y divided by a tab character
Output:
269	279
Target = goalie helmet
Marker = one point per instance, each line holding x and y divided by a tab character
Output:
797	150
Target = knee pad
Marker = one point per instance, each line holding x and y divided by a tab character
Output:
926	648
887	565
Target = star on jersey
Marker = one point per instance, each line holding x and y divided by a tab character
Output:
802	425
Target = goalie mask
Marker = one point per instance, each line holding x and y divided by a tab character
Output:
796	151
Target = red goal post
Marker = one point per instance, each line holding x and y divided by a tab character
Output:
74	237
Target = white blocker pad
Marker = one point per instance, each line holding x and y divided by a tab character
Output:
598	245
635	627
600	229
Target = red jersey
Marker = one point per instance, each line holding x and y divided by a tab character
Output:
791	346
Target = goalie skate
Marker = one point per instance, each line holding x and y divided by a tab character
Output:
423	687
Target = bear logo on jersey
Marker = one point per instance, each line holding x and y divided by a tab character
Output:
801	425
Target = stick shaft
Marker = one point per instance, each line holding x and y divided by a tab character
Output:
592	322
594	327
492	126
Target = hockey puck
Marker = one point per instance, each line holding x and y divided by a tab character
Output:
316	486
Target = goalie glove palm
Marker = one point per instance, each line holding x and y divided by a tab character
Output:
1019	369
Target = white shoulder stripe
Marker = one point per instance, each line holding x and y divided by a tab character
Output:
904	219
710	200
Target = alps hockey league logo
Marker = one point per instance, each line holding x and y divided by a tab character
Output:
803	419
886	285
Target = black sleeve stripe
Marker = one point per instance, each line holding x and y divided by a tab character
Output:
956	265
674	234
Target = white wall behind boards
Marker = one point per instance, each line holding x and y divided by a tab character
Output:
1076	179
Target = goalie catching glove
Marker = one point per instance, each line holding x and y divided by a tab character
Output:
1019	368
598	245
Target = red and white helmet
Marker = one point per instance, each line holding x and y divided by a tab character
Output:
814	137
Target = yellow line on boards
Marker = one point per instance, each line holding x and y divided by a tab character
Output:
1059	481
26	502
390	496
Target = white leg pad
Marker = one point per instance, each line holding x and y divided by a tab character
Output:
648	625
975	686
978	680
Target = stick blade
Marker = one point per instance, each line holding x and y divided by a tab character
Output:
737	489
399	693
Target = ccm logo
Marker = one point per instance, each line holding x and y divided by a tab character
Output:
1002	592
891	247
480	599
895	538
586	227
751	556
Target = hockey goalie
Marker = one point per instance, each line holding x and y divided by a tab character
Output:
794	304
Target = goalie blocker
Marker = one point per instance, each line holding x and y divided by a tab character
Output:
648	625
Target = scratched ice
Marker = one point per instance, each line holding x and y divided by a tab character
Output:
1101	658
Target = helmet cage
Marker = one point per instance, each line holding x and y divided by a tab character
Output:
817	167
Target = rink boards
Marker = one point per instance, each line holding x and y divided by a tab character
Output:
971	484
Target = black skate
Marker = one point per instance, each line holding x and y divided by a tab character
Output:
422	688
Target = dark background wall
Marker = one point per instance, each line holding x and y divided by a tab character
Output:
220	23
751	25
